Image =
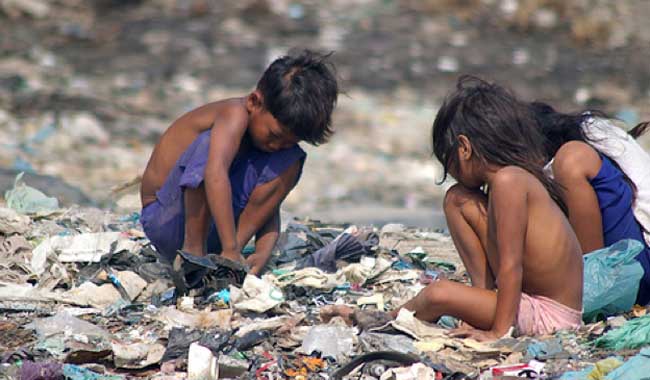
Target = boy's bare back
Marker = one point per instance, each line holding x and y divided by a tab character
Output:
552	258
176	139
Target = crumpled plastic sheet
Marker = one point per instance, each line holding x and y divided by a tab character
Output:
348	246
28	200
298	240
62	322
635	333
88	247
371	342
330	340
636	368
310	278
545	350
611	279
256	294
180	339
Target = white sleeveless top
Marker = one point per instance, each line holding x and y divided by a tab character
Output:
618	145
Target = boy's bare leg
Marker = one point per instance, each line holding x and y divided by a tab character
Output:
473	305
197	221
466	214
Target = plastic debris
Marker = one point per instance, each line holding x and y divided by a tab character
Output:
533	369
417	371
136	355
196	319
263	325
331	341
377	300
230	367
546	350
64	323
75	372
348	246
635	333
89	294
28	200
256	295
636	368
603	368
12	222
611	279
89	247
201	364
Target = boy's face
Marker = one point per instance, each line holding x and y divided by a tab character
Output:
265	131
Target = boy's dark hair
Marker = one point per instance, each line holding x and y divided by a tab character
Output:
502	130
300	91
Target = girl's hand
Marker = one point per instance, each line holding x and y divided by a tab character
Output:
462	327
468	332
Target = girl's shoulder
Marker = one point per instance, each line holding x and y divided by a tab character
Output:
576	159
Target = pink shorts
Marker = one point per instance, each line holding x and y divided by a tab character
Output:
540	315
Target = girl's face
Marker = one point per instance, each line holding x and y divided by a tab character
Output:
467	169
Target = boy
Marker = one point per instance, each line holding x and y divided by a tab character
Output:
515	238
219	173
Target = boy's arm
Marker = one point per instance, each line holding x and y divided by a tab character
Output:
261	216
509	209
225	138
265	240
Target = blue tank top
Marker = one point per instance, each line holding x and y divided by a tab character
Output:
615	197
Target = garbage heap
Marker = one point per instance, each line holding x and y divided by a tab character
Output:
84	296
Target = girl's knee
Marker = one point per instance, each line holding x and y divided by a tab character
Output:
437	292
459	197
453	198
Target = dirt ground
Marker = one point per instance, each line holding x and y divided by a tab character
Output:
85	90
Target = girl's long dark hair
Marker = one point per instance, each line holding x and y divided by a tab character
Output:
502	130
559	128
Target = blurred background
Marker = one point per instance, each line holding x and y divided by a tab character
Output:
87	87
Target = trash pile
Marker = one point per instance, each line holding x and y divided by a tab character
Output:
83	296
81	77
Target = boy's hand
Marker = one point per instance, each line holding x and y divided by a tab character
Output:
257	261
233	255
476	334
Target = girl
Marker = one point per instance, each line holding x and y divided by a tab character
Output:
515	238
605	175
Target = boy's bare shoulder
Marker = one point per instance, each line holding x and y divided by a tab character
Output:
229	111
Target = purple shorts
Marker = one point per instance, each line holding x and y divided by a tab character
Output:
163	220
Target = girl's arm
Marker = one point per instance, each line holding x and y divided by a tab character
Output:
508	213
575	164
